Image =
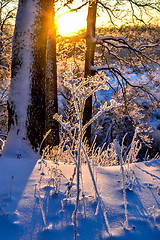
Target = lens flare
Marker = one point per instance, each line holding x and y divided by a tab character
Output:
69	24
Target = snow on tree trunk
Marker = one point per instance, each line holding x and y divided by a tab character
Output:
51	87
26	102
89	60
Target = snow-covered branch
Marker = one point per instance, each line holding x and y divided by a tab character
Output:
103	108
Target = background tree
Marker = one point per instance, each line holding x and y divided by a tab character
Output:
89	59
7	16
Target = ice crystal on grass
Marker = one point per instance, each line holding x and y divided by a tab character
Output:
80	90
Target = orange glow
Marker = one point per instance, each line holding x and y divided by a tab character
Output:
69	24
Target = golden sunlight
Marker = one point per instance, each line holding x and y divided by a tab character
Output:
69	24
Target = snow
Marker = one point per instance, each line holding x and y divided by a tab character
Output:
20	89
17	147
28	201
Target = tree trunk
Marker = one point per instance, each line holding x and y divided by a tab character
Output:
51	87
89	60
26	103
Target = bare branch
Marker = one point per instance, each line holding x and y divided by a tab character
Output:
116	72
71	9
124	44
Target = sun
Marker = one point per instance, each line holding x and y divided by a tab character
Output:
69	24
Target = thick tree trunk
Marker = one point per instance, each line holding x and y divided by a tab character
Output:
89	60
51	87
26	103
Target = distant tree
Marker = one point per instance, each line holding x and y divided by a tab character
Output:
7	16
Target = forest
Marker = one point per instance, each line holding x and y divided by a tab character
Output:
80	119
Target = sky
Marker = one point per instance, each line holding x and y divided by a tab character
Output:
72	22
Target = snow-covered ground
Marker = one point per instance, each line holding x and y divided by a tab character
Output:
30	209
28	203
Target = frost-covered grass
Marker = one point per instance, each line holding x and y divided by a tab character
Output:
80	90
36	211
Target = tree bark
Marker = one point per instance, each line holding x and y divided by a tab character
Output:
89	60
26	103
51	87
